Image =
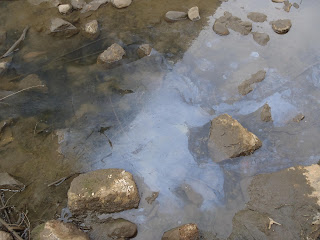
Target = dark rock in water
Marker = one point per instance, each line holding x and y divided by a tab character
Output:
113	229
287	6
91	29
193	14
5	236
281	26
144	50
3	36
246	87
261	38
103	191
266	113
78	4
56	230
192	195
229	139
298	118
113	54
8	183
173	16
222	24
296	5
152	198
185	232
257	17
60	27
121	3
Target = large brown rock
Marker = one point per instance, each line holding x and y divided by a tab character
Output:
173	16
113	229
185	232
103	191
56	230
261	38
229	139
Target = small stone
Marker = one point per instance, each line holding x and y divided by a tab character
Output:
30	81
103	191
5	236
287	6
113	229
266	113
113	54
278	1
185	232
144	50
246	86
173	16
193	14
8	183
229	139
65	8
257	17
78	4
91	29
121	3
261	38
298	118
60	27
220	28
56	230
281	26
152	198
296	5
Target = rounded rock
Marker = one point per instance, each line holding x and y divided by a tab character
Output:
193	14
121	3
173	16
281	26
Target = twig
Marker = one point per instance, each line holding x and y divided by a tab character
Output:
271	221
10	229
20	91
22	37
61	180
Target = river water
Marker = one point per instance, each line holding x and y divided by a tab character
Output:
158	130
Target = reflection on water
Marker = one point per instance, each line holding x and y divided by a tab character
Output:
150	116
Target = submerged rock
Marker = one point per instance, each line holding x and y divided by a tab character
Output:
229	139
220	28
296	5
193	14
287	6
103	191
78	4
185	232
112	55
60	27
5	64
113	229
152	198
222	24
5	236
257	17
121	3
246	87
261	38
56	230
65	8
298	118
8	183
91	29
266	113
93	5
281	26
144	50
173	16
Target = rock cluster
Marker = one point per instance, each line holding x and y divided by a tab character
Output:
222	24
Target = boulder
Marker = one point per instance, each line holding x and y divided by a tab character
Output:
121	3
103	191
144	50
113	54
56	230
113	229
193	14
60	27
185	232
5	236
173	16
78	4
261	38
91	29
8	183
257	17
229	139
266	113
65	8
281	26
246	86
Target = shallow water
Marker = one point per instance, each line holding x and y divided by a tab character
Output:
159	131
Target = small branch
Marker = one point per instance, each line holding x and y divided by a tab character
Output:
20	91
10	229
22	37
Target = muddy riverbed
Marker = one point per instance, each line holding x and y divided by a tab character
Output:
151	116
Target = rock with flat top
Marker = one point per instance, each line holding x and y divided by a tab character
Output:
8	183
257	17
229	139
113	54
103	191
185	232
60	27
173	16
121	3
226	21
281	26
5	236
193	14
144	50
261	38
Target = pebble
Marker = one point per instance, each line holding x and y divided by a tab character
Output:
144	50
193	14
261	38
91	29
121	3
173	16
281	26
65	8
